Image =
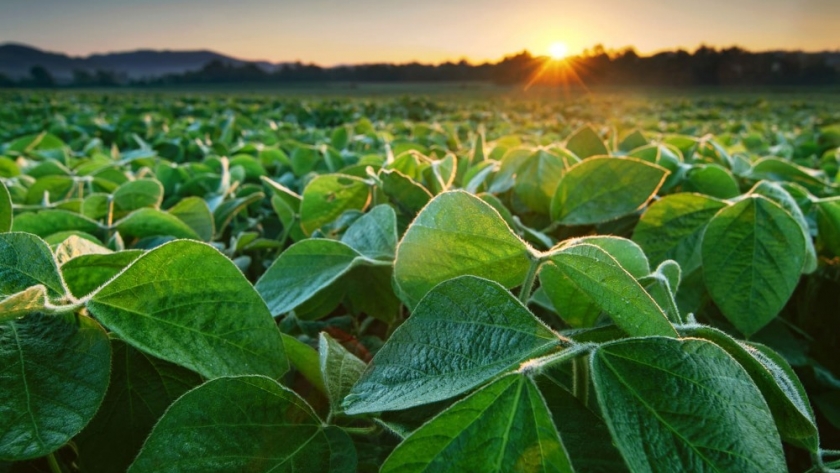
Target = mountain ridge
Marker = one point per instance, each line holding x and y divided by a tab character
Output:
17	59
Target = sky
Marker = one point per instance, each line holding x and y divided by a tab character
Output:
330	32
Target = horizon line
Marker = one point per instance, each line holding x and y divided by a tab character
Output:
469	61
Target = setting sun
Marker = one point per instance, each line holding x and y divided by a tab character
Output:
558	50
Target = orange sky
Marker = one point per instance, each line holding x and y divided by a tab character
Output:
332	32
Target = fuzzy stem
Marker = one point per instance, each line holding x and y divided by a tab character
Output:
528	284
580	373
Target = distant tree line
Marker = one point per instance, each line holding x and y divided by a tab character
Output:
597	66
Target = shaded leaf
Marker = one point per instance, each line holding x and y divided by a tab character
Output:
55	374
244	424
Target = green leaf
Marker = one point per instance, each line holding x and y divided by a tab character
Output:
138	194
753	253
141	389
779	195
672	228
627	253
84	274
537	177
195	213
327	196
584	433
51	189
595	273
778	169
244	424
465	332
601	189
684	405
778	384
633	141
374	234
47	222
404	191
828	223
574	306
5	209
25	261
303	270
340	370
305	359
585	142
502	427
458	234
712	180
147	222
55	374
187	303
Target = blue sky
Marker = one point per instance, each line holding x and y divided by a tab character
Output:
339	32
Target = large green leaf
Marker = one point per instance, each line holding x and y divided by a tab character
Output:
576	307
404	191
502	427
137	194
598	275
141	389
458	234
84	274
463	333
54	376
601	189
778	383
328	196
779	195
585	142
340	369
303	270
194	212
187	303
672	228
684	405
47	222
244	424
25	261
148	222
537	177
753	253
374	234
5	209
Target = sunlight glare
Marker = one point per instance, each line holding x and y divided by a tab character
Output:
558	50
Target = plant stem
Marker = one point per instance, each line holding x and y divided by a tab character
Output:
525	291
580	379
54	466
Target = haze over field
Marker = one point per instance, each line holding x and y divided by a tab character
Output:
330	32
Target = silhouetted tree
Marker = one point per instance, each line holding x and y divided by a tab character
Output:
41	77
